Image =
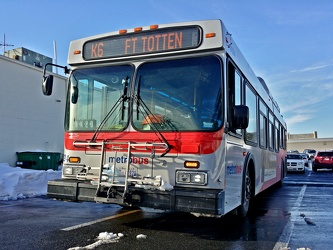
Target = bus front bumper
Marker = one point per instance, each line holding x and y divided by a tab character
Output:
203	201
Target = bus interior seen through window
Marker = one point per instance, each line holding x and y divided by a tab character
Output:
185	94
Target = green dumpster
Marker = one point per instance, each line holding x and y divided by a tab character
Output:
38	160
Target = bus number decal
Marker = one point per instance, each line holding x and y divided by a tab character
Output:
97	50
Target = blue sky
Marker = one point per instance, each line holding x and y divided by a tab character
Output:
289	43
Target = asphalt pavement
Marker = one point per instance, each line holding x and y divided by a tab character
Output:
296	216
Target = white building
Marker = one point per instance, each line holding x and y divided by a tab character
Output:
29	121
308	141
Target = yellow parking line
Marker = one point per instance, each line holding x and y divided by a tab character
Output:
100	220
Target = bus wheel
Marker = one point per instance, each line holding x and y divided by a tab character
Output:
244	208
280	182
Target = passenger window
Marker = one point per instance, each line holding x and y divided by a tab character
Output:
262	124
251	102
234	92
271	131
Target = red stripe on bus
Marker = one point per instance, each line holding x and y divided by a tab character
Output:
181	142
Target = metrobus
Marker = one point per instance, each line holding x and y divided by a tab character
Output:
169	117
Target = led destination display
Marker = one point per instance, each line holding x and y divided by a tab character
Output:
141	43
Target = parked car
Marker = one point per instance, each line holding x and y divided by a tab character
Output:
295	163
323	159
310	152
305	159
293	151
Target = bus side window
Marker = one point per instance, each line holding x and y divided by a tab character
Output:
234	94
251	102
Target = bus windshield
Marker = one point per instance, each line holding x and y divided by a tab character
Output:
179	95
172	95
99	97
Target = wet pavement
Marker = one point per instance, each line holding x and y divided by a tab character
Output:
311	217
296	216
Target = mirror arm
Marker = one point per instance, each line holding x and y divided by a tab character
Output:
48	79
66	70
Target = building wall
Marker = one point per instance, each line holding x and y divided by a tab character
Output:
29	121
303	136
316	143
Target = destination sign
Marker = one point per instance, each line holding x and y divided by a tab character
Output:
142	43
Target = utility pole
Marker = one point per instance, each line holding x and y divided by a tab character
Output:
4	44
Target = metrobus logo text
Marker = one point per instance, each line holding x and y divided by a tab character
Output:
123	159
234	169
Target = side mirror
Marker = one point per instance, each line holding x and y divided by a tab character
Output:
240	119
75	94
47	85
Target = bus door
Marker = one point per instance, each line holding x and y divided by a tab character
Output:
235	143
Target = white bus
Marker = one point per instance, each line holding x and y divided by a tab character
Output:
169	117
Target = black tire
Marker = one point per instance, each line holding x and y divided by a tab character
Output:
247	195
314	168
283	173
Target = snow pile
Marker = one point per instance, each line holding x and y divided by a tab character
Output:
17	183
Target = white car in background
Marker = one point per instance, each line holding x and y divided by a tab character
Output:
305	158
310	153
295	163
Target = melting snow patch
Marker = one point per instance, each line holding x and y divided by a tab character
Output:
107	236
141	236
102	238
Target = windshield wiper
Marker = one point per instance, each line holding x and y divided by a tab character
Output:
138	98
146	112
122	99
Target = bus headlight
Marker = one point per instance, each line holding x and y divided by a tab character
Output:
68	170
191	178
72	170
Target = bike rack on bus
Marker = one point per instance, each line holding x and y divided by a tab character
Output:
111	185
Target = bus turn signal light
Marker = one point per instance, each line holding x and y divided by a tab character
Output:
210	35
74	159
191	164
